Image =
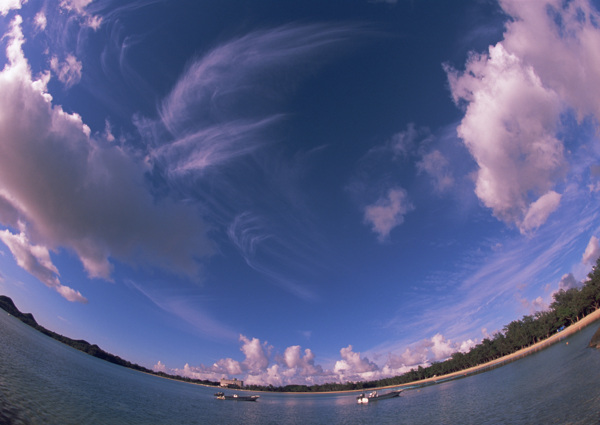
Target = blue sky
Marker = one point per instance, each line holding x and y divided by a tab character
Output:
295	192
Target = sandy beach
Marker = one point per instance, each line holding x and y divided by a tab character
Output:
557	337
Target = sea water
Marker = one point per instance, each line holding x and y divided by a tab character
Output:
45	382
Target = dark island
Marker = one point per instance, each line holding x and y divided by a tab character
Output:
568	308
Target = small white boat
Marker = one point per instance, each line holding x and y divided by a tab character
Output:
235	397
374	396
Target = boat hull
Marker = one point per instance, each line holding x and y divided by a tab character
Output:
235	397
364	399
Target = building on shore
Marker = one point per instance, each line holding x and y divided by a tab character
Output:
232	383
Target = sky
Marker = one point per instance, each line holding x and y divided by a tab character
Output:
296	192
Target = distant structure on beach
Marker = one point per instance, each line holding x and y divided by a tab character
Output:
232	383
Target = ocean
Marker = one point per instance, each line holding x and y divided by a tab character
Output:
45	382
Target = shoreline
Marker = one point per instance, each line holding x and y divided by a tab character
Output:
541	345
524	352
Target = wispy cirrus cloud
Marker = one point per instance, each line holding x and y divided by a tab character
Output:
266	253
226	99
192	311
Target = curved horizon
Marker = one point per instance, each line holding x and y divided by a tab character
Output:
301	193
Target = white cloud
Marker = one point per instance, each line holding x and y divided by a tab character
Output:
257	354
537	304
76	192
388	213
7	5
36	260
299	364
547	64
538	211
159	367
79	7
561	41
220	107
259	368
426	351
68	71
437	166
509	128
250	233
567	281
228	366
40	21
353	367
592	252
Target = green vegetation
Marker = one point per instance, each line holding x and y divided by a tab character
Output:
568	307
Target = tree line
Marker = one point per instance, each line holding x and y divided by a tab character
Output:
568	307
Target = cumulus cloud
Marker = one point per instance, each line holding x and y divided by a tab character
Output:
546	65
259	366
514	95
426	351
297	366
353	367
68	71
257	354
388	212
159	367
567	281
592	252
560	40
7	5
75	191
537	304
509	128
36	260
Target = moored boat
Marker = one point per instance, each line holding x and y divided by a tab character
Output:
221	396
374	396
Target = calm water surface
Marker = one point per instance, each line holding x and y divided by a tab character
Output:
45	382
